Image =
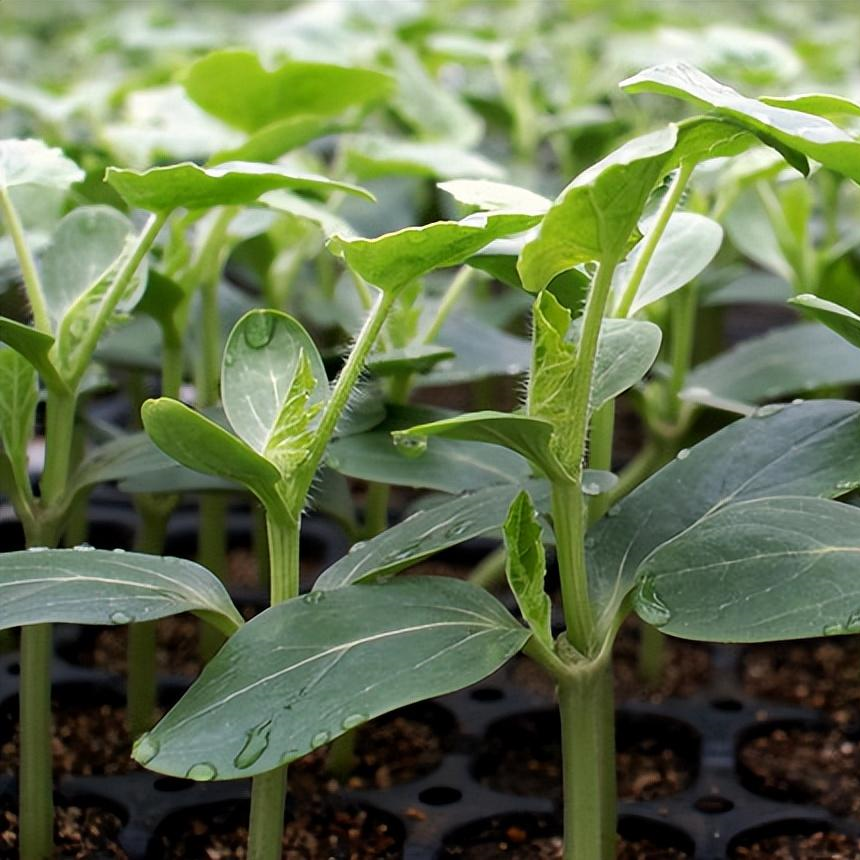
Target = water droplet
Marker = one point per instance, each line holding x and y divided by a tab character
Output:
353	720
614	511
405	553
770	409
314	597
202	772
682	454
832	630
358	545
120	617
589	543
37	549
332	462
649	606
288	756
591	489
410	446
256	742
229	359
319	739
797	400
84	547
259	330
145	748
119	550
847	485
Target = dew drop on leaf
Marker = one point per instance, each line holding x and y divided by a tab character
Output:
591	489
353	720
202	772
357	546
649	605
832	629
259	330
119	550
682	454
256	743
411	446
770	409
614	511
458	529
146	748
84	547
314	597
319	739
37	549
120	617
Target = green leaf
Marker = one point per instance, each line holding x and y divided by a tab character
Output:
85	245
31	162
355	653
787	361
526	567
272	141
300	207
496	196
804	449
688	245
749	229
595	216
804	133
233	86
427	532
273	383
415	358
396	259
162	189
35	346
200	444
757	571
91	586
817	103
19	396
701	138
843	321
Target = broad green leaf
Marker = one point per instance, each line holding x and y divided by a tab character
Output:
300	207
355	653
784	362
200	444
526	567
234	86
757	571
35	346
750	231
31	162
428	531
162	189
803	449
396	259
371	156
843	321
415	358
19	395
595	216
85	245
817	103
492	196
272	141
272	374
688	245
805	133
529	437
91	586
702	138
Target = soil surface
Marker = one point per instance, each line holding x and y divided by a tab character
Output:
816	673
805	766
80	833
818	846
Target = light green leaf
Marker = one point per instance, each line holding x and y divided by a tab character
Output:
688	245
162	189
595	216
495	196
781	363
272	141
817	103
357	652
84	246
526	567
427	532
301	207
805	133
757	571
200	444
272	375
19	395
35	346
701	138
750	231
804	449
31	162
843	321
91	586
414	358
233	86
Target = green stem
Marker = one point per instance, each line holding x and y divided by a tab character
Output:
683	309
212	554
375	510
171	369
600	454
658	227
59	438
261	546
29	272
490	570
642	466
452	295
588	761
652	655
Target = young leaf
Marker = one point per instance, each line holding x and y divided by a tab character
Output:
818	103
31	162
35	346
803	449
596	215
365	650
757	571
526	567
686	248
803	133
91	586
162	189
842	320
233	86
19	395
496	196
427	532
413	358
271	376
272	141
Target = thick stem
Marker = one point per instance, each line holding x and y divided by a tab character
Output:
588	761
652	655
171	369
59	438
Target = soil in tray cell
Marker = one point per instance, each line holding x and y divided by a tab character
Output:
813	846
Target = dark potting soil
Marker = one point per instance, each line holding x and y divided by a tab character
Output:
805	766
818	846
816	673
80	833
550	848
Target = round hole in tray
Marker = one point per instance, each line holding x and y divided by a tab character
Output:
727	704
14	668
487	694
440	795
713	804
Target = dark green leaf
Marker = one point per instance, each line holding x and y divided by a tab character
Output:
19	395
842	320
416	358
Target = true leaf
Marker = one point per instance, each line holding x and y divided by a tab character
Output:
357	652
492	196
757	571
31	162
162	189
415	358
842	320
818	103
19	395
526	567
90	586
272	141
35	346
